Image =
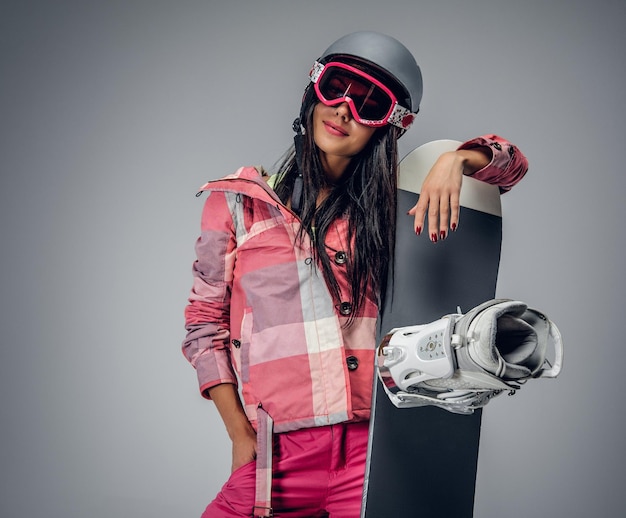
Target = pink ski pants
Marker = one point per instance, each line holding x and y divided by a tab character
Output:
318	472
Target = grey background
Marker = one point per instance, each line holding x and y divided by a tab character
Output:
113	113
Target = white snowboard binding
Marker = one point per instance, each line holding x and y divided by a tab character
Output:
462	361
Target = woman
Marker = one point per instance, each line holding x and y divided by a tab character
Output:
292	268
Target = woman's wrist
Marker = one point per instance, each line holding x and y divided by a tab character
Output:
228	403
473	160
239	427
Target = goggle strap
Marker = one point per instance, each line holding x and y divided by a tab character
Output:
316	71
401	117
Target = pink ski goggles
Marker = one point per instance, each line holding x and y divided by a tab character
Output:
371	102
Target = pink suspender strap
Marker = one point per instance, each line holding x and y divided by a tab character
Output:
263	497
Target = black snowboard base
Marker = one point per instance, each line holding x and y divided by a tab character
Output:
430	455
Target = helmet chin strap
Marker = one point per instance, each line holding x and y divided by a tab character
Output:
296	194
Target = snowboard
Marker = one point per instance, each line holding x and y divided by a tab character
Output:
422	461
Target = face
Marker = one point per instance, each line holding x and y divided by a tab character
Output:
338	137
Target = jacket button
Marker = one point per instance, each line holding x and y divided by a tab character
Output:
352	362
340	258
237	343
345	308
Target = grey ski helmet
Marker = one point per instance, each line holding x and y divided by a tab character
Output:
387	54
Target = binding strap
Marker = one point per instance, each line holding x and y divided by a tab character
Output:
263	496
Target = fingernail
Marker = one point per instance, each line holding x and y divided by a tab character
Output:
418	230
433	237
442	234
453	227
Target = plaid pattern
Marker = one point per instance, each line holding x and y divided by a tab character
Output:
508	164
260	313
263	489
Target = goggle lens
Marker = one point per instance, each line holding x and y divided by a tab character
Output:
369	100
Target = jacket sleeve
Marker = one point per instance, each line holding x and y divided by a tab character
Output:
508	164
207	315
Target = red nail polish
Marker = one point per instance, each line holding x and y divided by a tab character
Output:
433	237
453	226
442	235
418	230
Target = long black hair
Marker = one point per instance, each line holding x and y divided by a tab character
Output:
365	195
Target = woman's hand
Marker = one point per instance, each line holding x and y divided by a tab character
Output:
239	429
439	196
244	448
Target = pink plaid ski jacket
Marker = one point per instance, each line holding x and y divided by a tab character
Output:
259	305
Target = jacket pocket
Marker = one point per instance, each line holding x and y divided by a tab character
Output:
246	338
